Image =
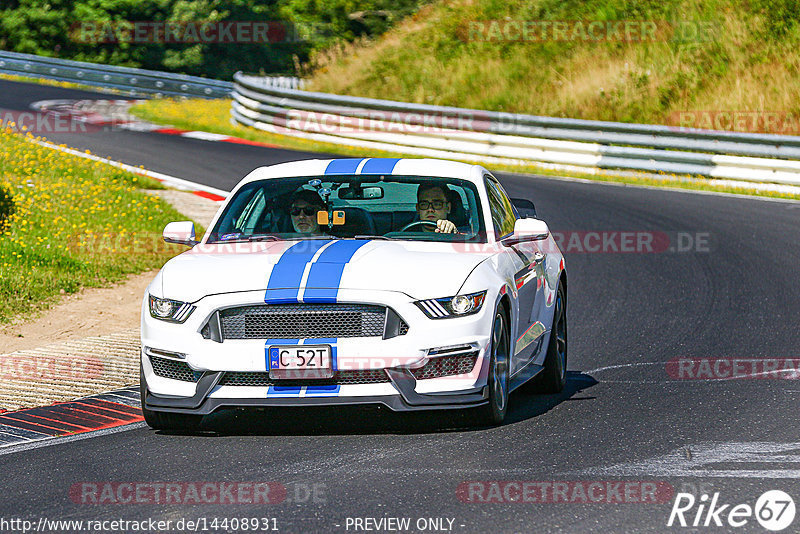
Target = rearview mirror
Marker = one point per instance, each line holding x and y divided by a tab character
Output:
361	193
181	233
527	230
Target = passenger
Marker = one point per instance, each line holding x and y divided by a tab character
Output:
303	211
433	206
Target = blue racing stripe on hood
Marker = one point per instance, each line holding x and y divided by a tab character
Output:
284	280
379	166
325	275
343	166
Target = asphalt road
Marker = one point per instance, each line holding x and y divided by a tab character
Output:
625	416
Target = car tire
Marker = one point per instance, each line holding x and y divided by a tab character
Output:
553	377
494	412
165	420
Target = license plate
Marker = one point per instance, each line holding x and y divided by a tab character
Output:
300	362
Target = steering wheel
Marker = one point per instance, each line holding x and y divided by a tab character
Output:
416	223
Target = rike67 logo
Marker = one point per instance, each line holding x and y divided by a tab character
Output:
774	510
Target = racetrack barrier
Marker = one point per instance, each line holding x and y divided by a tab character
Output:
512	138
130	81
280	105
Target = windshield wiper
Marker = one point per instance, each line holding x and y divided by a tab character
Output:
373	237
247	239
263	238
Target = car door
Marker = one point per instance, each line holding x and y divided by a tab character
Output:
528	277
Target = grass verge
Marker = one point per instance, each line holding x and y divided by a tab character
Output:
214	116
76	223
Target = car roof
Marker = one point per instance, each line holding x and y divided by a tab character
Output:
366	166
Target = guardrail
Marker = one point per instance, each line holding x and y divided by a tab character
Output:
510	138
134	82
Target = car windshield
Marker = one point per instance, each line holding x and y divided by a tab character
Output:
357	206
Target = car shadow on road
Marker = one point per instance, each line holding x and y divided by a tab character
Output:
355	420
523	405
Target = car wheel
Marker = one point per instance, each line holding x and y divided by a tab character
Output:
494	412
164	420
553	377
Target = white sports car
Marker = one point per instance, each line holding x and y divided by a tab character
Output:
413	283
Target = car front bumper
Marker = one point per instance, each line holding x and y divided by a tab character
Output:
406	398
209	361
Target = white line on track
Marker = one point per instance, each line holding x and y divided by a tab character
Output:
622	366
172	181
710	459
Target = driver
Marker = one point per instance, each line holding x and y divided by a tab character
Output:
432	205
303	211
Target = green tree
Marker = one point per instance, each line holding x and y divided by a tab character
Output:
65	28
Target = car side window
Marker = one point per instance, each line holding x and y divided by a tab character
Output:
501	209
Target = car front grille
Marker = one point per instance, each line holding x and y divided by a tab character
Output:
295	321
173	369
366	376
446	366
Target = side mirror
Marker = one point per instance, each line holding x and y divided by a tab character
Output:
524	206
181	233
527	230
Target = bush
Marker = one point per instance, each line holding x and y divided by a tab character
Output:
6	207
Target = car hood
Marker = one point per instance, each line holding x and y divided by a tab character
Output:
282	269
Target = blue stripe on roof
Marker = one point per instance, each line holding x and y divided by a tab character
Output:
343	166
379	166
325	275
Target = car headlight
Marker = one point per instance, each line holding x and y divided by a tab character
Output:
457	306
170	310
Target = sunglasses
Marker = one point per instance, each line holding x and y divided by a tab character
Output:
437	204
308	212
